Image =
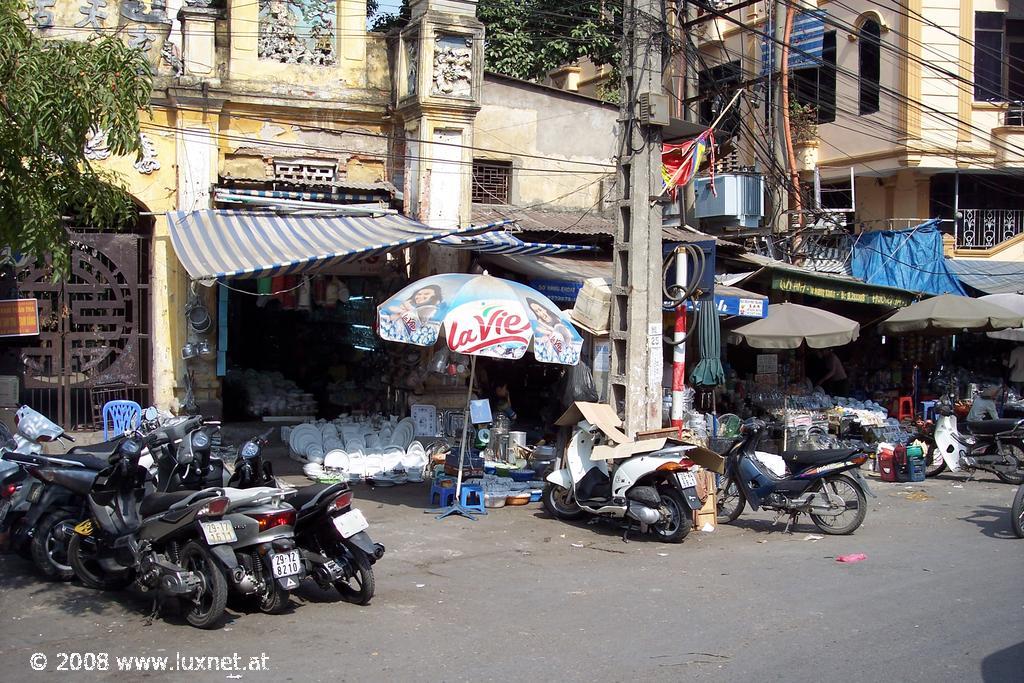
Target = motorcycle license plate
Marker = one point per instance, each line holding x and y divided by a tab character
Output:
285	564
218	532
686	479
351	523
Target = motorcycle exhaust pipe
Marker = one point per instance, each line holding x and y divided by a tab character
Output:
642	513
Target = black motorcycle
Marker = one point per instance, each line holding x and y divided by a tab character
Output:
1017	512
825	484
171	543
330	533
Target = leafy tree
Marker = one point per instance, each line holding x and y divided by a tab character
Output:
52	94
529	38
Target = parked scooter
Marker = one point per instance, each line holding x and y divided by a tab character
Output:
40	508
995	446
655	488
336	550
174	544
824	484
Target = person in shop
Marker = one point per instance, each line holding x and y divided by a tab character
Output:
1015	364
835	380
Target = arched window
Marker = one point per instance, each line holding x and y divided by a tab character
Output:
870	65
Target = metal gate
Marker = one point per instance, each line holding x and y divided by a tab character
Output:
94	329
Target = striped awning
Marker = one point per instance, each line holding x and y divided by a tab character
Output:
507	243
215	244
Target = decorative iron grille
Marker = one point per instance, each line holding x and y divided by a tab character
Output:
986	228
491	182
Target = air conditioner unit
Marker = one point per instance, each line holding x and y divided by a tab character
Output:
737	203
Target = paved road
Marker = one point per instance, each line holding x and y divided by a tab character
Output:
517	596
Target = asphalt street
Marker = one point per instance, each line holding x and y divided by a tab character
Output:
518	596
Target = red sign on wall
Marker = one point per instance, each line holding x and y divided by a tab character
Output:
19	317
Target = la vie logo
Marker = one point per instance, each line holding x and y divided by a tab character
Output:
494	325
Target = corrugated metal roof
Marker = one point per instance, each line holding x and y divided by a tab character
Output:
990	277
572	223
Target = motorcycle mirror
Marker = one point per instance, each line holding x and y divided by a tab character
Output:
151	414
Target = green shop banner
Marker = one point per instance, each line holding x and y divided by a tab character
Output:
841	291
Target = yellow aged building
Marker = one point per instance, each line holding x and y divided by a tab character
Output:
256	103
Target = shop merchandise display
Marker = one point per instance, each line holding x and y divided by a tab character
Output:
270	393
379	449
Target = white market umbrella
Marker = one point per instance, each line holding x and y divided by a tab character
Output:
1011	302
788	326
950	314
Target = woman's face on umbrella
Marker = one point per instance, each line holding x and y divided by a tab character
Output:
542	313
423	296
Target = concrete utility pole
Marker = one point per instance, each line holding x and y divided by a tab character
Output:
636	331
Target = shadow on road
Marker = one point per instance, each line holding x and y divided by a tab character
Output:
1004	665
993	521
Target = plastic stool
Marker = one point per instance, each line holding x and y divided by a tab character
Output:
472	492
928	409
445	494
905	408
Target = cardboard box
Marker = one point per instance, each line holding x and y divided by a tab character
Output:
593	305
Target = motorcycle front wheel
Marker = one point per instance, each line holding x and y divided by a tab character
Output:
206	608
1017	513
678	520
850	513
1013	471
558	502
730	500
358	587
934	465
83	558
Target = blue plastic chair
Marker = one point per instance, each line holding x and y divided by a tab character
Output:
121	416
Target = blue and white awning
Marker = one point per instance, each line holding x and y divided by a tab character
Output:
215	244
507	243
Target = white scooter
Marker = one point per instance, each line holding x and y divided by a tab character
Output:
650	483
996	446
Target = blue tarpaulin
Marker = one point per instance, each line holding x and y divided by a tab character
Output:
910	259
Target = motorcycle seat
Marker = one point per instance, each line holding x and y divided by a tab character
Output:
160	502
102	450
992	426
819	457
86	461
311	496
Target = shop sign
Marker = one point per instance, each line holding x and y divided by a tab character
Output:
500	329
734	305
19	317
557	290
839	292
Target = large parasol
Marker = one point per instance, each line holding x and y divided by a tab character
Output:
788	326
479	315
1011	302
949	314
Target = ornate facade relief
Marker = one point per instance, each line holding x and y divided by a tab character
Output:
453	66
96	145
148	163
169	54
133	10
41	13
95	14
412	64
139	38
298	31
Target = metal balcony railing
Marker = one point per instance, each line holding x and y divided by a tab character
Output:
1014	114
987	228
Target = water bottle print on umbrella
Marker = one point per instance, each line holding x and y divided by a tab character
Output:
479	315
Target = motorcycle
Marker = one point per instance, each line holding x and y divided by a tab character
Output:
656	488
824	484
175	544
1017	512
331	534
995	446
39	496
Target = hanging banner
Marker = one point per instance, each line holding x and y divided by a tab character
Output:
840	291
19	317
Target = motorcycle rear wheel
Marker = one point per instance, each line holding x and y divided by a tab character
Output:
840	524
273	599
1017	512
359	587
557	501
82	556
731	502
49	553
1014	452
207	609
679	522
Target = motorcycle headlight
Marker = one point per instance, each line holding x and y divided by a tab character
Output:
200	440
250	450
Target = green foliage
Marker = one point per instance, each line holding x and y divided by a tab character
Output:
51	94
529	38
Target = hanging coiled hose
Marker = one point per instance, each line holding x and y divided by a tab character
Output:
678	293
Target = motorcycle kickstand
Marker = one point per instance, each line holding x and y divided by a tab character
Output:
791	522
625	532
153	613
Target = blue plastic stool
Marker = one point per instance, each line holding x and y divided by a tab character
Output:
445	494
121	416
928	409
473	492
